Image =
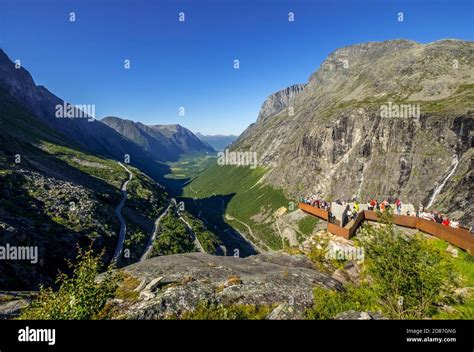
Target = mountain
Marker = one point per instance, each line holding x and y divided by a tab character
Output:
61	185
86	132
56	196
218	142
354	131
163	142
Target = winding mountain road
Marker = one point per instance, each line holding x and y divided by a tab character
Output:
156	226
253	243
198	244
118	213
154	232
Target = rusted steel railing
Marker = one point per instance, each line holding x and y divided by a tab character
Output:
320	213
459	237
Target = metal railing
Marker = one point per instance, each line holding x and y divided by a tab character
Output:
459	237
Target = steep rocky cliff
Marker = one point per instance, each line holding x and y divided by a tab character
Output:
380	119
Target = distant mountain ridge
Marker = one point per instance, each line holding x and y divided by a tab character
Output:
108	137
162	142
218	141
88	133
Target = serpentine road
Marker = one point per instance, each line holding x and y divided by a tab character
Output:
154	232
118	213
256	247
197	243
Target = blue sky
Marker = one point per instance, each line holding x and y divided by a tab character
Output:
190	64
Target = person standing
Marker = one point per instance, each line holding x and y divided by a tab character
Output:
398	205
345	216
421	209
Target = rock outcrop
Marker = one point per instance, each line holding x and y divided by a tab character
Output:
181	282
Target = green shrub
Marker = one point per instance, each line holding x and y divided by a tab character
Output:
80	296
410	276
328	304
173	237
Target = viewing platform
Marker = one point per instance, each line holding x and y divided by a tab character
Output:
459	237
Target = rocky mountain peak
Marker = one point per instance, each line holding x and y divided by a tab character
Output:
338	144
279	101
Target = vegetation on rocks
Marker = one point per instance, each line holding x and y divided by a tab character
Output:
328	304
404	277
208	240
80	295
173	237
206	311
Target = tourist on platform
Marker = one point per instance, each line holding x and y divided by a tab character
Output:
345	216
421	209
373	204
398	205
454	224
356	207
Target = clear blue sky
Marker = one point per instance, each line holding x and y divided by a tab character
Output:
190	64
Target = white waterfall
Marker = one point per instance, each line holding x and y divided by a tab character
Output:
438	189
359	190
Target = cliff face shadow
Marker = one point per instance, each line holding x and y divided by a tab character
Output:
28	222
211	211
28	225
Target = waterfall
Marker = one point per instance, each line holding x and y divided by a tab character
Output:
438	189
359	190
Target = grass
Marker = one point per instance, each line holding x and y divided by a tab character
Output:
208	240
245	195
464	264
190	165
206	311
135	242
31	202
307	224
